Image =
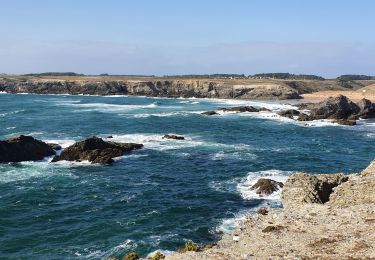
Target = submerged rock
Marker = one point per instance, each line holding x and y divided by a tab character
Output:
175	137
23	148
95	150
265	187
345	122
209	113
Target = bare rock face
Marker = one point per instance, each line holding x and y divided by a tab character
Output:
265	187
174	137
95	150
302	188
23	148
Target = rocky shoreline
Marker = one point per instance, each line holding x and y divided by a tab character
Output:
339	109
152	88
325	216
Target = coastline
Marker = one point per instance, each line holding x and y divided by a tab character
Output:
229	238
245	89
341	228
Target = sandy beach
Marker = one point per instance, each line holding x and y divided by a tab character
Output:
367	92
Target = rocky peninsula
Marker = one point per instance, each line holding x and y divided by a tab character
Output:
325	216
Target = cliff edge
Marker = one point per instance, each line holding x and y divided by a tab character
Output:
325	216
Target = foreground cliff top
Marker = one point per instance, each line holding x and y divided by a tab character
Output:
309	227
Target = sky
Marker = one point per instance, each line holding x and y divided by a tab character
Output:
169	37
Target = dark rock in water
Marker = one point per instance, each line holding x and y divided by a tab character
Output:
95	150
290	113
264	109
175	137
23	148
240	109
345	122
209	113
109	137
266	186
307	106
55	146
339	107
367	109
303	117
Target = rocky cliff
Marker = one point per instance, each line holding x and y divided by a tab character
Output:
153	88
325	216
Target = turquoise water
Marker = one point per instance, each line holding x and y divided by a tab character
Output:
160	196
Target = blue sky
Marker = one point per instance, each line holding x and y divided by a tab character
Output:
161	37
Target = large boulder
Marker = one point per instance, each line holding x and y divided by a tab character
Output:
339	107
174	137
301	188
95	150
23	148
265	187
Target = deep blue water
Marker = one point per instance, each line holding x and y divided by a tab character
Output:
162	195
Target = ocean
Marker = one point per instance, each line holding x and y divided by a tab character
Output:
165	194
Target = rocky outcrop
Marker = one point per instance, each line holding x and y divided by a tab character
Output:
339	107
265	187
95	150
342	110
54	146
240	109
174	137
325	216
23	148
209	113
153	88
366	109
